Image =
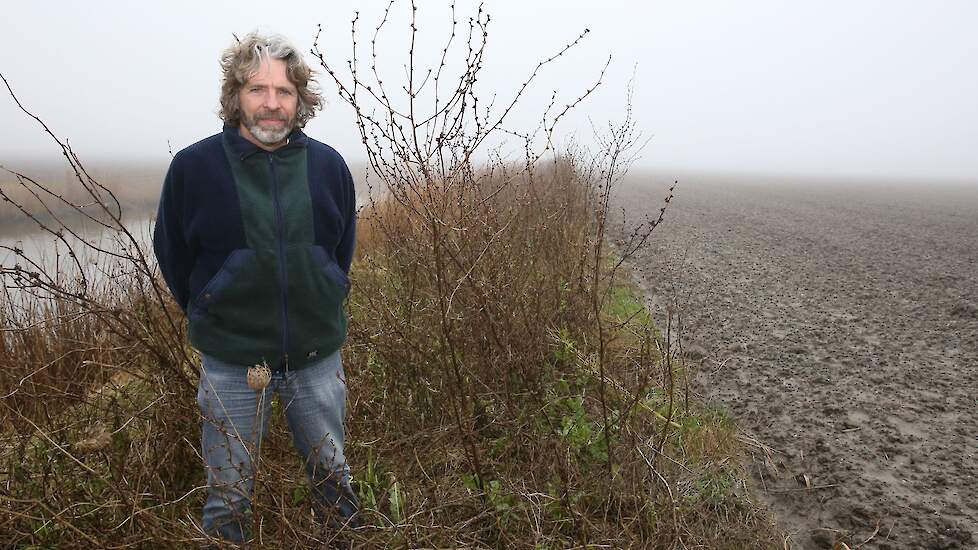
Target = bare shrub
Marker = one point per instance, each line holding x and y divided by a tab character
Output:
486	299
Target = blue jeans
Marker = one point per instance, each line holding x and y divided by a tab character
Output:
235	421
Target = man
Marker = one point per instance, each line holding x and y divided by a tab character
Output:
254	237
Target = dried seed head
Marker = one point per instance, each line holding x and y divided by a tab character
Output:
99	438
258	377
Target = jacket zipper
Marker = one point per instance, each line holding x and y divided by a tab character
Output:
280	229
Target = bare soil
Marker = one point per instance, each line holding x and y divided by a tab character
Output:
838	322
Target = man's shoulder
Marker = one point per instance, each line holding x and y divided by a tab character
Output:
204	148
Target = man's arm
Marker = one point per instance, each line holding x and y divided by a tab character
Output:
169	242
344	251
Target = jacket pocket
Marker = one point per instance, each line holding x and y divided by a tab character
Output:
237	262
237	315
317	292
330	268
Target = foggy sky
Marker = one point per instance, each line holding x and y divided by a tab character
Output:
858	88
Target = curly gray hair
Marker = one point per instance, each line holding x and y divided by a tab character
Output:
242	60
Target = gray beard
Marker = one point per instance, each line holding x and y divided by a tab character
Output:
269	137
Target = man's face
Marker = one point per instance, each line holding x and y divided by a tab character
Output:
268	102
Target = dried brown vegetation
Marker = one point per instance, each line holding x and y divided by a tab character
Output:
506	386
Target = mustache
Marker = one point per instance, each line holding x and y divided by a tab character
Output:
270	115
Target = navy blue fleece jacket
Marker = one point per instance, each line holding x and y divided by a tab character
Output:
256	247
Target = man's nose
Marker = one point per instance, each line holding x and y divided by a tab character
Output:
271	101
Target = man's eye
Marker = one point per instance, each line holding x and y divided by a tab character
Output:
286	92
